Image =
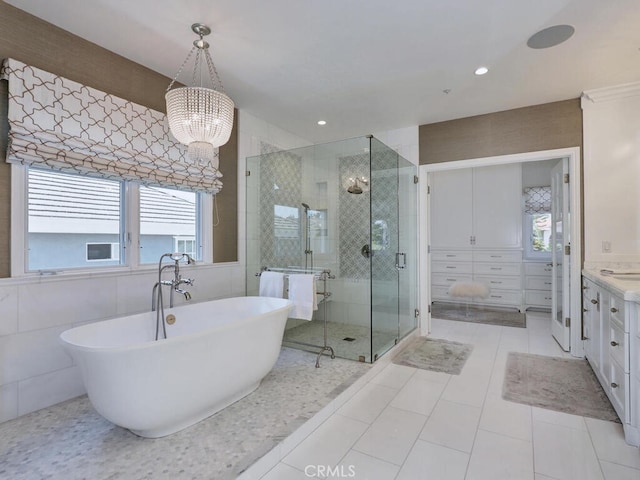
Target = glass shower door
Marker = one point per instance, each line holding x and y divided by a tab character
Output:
408	246
385	302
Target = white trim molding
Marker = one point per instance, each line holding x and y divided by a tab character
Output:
609	93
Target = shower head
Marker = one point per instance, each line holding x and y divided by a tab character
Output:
355	188
306	207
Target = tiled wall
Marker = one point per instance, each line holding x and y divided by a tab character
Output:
35	371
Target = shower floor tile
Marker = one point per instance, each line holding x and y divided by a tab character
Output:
348	341
70	440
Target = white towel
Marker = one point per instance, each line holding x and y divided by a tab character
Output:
272	284
302	292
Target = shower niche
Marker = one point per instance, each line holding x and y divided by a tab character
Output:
350	208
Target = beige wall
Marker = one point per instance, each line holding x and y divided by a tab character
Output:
529	129
43	45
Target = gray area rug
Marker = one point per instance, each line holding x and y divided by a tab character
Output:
434	354
561	384
475	314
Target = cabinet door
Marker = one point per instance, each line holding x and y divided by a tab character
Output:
605	305
497	211
592	327
451	210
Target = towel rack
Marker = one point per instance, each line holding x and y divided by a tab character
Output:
323	275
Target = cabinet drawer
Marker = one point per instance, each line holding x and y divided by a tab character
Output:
537	283
440	292
534	297
501	283
496	268
537	268
501	256
617	388
451	256
616	308
618	341
442	267
503	297
449	279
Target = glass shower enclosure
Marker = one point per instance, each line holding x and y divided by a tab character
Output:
348	209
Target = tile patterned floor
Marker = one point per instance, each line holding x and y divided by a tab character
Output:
409	424
71	441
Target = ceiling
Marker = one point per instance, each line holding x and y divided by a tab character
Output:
368	66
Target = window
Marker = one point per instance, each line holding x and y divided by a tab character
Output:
72	220
185	245
286	229
75	222
164	215
103	251
537	222
538	235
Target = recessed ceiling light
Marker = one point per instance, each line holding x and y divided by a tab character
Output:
322	122
481	70
550	37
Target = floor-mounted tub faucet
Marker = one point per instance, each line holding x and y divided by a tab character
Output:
157	301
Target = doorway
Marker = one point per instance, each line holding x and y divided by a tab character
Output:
567	258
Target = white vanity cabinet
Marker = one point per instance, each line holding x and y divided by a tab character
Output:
611	331
591	323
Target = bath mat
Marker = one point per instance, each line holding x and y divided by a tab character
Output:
477	314
561	384
434	354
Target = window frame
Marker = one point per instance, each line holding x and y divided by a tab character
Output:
129	231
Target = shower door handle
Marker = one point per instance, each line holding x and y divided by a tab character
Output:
401	256
365	251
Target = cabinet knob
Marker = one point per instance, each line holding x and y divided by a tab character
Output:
614	310
614	343
614	385
594	301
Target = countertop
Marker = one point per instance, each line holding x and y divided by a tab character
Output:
627	288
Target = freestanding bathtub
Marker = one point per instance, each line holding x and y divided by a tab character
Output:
215	353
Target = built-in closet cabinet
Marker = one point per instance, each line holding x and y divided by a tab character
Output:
477	207
476	232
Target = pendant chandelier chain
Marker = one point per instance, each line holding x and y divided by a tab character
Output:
199	47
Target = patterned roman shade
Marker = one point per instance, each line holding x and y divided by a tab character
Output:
537	200
59	124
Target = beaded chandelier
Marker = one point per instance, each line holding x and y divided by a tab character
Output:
200	116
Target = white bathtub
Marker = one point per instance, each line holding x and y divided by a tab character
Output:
216	353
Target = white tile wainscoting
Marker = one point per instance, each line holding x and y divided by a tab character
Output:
35	371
